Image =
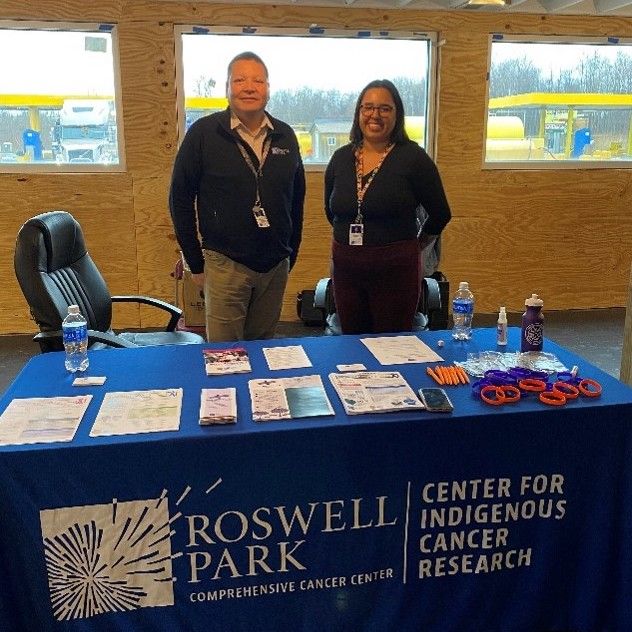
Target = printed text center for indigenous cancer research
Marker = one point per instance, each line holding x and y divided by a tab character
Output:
461	517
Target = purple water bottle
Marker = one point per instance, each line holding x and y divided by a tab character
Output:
532	334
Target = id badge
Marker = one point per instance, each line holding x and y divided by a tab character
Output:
356	232
260	216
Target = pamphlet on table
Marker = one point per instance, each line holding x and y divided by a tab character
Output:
218	406
400	350
226	361
42	419
289	357
374	392
289	398
136	412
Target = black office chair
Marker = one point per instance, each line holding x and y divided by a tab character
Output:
55	270
429	311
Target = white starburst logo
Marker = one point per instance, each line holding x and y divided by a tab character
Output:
108	558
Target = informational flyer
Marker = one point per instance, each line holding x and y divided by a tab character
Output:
289	357
400	350
42	419
374	392
289	398
226	361
136	412
218	406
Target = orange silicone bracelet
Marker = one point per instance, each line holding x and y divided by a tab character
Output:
552	398
529	384
499	398
511	393
584	390
568	390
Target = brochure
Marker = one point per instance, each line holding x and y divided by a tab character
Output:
374	392
289	398
42	419
290	357
400	350
135	412
218	406
226	361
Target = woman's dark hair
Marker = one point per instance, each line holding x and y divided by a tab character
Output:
398	134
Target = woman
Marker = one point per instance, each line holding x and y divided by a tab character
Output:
373	188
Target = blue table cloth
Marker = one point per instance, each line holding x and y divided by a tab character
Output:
516	517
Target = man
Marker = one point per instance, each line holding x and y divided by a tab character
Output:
238	178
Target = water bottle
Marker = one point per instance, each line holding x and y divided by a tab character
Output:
462	312
532	333
75	330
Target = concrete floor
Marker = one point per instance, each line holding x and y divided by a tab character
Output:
596	335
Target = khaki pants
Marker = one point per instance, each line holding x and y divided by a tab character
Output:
241	304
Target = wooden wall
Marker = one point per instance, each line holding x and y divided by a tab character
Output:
564	234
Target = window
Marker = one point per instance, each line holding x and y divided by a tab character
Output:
315	78
58	98
557	104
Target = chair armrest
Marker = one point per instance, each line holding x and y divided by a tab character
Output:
175	312
53	340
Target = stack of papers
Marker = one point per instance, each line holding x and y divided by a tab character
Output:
218	406
289	398
374	392
226	361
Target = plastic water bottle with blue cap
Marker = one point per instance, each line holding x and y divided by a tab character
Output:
75	330
462	312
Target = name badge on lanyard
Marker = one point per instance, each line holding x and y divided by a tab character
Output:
258	211
356	230
260	216
356	234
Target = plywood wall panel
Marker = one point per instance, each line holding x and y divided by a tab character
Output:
102	204
149	95
576	224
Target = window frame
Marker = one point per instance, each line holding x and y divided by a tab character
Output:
316	31
89	28
522	165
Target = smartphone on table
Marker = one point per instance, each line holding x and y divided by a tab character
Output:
435	400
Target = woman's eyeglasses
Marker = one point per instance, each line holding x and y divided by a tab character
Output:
369	108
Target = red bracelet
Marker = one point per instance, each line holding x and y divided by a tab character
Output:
498	393
511	393
568	390
584	390
529	384
553	398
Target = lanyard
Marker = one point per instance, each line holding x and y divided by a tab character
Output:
361	190
258	173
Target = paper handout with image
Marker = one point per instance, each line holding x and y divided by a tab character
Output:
226	361
400	350
218	406
134	412
374	392
289	398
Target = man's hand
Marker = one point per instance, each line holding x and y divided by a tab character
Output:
198	279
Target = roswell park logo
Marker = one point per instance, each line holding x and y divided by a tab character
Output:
118	556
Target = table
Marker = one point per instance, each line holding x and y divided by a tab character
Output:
516	518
